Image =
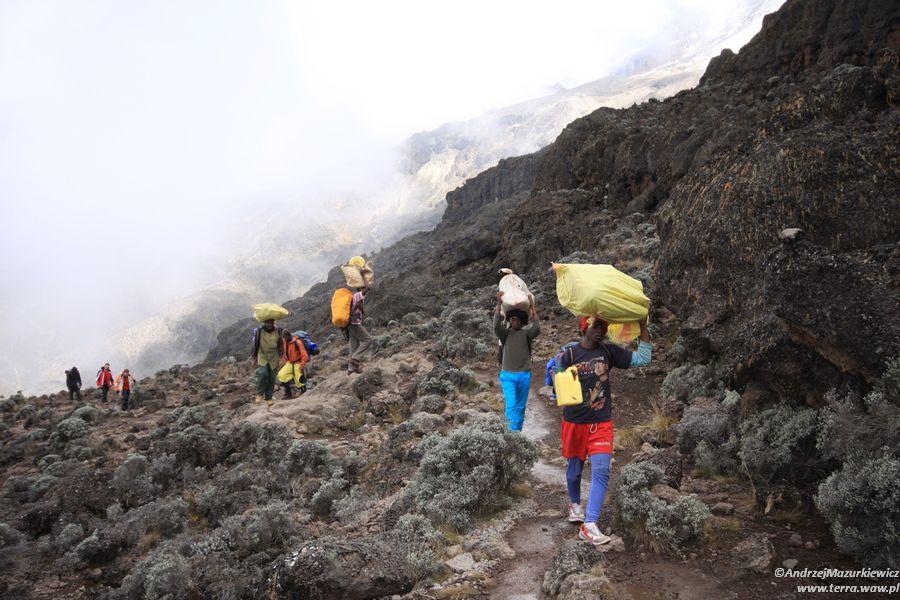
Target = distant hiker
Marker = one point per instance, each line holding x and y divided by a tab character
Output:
73	382
104	381
587	428
515	370
294	359
125	383
266	354
359	337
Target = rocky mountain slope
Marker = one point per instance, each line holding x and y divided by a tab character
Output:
411	198
401	481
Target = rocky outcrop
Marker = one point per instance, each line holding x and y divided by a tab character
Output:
797	131
797	134
365	567
812	35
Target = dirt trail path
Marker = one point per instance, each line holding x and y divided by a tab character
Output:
536	540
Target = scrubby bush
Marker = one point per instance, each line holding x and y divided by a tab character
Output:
184	417
330	491
164	469
257	530
132	481
28	414
871	426
721	459
862	498
465	330
444	379
709	421
708	432
307	457
273	441
69	537
421	541
778	442
862	502
194	445
687	382
470	471
10	536
165	574
352	505
432	403
650	521
404	439
28	488
88	413
70	429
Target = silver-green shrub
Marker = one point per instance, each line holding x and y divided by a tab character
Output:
132	481
776	438
871	426
71	429
307	457
273	441
165	574
465	330
862	502
421	541
708	433
651	521
687	382
444	379
862	498
470	471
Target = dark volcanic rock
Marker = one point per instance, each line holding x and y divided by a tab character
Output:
798	130
356	568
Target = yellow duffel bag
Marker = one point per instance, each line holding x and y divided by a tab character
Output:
601	290
264	312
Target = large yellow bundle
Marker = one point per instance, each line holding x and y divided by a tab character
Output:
358	276
601	290
266	311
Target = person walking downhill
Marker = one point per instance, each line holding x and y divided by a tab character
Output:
125	383
357	334
104	381
73	383
266	353
587	428
515	370
294	364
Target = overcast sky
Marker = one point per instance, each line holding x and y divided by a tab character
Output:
135	136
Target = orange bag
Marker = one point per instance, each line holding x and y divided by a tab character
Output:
340	307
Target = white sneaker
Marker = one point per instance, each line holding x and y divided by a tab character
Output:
589	532
576	513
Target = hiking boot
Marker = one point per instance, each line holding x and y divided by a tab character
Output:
589	532
576	513
259	399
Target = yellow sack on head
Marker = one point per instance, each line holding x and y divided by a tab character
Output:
266	311
601	290
358	276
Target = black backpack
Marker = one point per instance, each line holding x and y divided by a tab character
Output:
500	350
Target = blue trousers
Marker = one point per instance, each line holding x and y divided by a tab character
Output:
599	482
515	391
